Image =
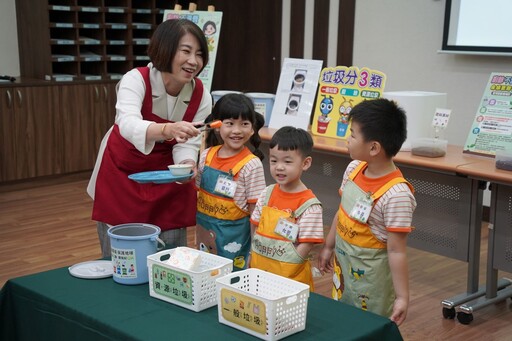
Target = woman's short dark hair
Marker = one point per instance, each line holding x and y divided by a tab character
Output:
165	40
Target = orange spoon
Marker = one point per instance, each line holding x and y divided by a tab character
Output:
212	125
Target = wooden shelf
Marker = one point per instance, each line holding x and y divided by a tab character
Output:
85	40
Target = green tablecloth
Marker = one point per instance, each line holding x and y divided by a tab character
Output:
54	305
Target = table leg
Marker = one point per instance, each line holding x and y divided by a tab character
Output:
496	290
475	232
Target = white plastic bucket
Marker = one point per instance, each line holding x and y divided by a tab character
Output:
263	103
219	93
131	244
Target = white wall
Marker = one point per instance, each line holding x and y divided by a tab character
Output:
9	59
401	38
398	37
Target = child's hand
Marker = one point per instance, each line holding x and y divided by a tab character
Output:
399	311
325	260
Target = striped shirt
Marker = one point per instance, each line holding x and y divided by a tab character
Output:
250	180
392	212
310	222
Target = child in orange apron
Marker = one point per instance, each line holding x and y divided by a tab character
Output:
230	179
368	234
287	220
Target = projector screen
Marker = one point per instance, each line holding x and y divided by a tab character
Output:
478	27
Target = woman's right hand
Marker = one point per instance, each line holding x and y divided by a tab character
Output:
180	131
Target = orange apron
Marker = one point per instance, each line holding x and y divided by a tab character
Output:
362	277
274	253
222	227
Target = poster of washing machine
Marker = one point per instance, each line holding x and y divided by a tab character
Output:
295	94
210	23
340	89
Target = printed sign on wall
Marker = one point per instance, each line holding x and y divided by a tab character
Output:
295	94
340	89
491	130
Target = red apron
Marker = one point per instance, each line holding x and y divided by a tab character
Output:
119	200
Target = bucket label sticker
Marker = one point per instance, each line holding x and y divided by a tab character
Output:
172	284
243	310
124	263
262	109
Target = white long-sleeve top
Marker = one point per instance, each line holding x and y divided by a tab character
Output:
130	95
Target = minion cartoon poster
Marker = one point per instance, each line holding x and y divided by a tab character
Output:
340	89
209	22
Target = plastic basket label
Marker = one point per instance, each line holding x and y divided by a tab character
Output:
245	311
173	284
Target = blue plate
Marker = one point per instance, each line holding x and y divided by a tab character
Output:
157	177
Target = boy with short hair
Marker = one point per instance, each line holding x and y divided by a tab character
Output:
287	220
369	231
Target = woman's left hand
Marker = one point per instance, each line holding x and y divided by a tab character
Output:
194	171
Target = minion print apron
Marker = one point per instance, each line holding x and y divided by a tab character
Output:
362	277
275	253
222	227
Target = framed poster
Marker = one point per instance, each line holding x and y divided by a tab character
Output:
210	23
295	94
491	130
341	88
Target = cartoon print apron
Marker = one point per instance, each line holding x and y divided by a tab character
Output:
119	200
275	253
362	277
222	227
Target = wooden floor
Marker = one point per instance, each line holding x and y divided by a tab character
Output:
46	225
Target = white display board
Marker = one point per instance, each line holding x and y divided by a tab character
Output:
295	94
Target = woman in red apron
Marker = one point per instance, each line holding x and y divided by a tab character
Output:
154	127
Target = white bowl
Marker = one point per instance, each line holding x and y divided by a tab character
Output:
180	169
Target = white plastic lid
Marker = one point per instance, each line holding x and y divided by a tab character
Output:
92	269
259	95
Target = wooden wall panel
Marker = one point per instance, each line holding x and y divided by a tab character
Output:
321	29
297	16
249	50
346	17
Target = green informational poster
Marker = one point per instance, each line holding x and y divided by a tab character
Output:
209	22
491	130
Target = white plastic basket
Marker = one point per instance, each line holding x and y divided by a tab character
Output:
262	304
194	290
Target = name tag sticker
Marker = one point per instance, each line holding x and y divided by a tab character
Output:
287	229
362	209
226	186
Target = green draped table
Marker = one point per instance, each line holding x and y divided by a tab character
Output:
54	305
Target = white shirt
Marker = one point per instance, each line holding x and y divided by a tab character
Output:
130	95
